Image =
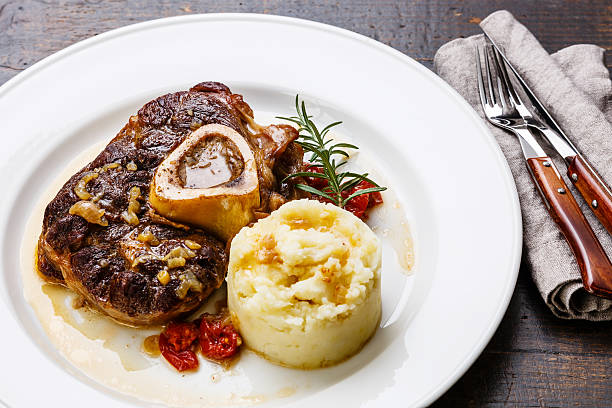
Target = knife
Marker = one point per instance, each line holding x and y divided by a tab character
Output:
501	109
580	172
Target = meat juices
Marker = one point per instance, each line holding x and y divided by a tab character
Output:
101	238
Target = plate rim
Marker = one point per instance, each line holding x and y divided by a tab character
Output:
514	266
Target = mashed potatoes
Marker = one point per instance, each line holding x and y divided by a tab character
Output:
304	284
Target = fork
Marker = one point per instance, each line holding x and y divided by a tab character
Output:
501	106
581	173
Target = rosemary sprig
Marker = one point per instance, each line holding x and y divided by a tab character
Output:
329	157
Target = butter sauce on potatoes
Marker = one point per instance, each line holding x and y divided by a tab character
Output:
304	284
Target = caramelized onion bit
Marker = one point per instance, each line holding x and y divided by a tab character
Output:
110	166
147	237
180	252
192	244
131	166
163	277
267	253
176	262
81	187
188	282
146	257
133	207
178	257
90	212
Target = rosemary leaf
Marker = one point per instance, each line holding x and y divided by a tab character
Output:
323	155
313	190
304	174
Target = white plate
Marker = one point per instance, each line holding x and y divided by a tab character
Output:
436	153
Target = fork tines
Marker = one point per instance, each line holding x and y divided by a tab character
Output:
506	95
487	93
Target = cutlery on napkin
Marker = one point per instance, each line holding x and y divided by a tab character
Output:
574	85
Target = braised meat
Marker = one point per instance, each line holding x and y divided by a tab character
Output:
101	237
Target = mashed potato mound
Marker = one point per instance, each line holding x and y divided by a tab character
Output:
304	284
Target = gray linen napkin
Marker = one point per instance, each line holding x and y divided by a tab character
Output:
575	87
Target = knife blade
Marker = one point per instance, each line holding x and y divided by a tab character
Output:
580	172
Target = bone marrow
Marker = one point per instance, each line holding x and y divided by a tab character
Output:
209	180
213	161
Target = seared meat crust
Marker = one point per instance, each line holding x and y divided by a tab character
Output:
115	267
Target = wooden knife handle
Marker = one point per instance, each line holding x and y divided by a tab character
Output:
592	188
593	263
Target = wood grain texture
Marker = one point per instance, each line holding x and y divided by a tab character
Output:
592	188
534	359
593	263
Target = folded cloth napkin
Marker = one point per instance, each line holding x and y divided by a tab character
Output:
574	85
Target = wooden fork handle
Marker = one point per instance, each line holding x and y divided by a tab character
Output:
592	188
594	265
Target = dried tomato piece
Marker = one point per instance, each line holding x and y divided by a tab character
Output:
181	335
375	198
316	182
218	338
181	360
357	205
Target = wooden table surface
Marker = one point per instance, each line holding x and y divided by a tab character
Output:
533	359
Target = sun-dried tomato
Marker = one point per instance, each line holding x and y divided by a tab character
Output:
357	205
181	335
181	360
218	338
315	182
374	198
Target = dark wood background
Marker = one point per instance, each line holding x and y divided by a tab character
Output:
534	359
